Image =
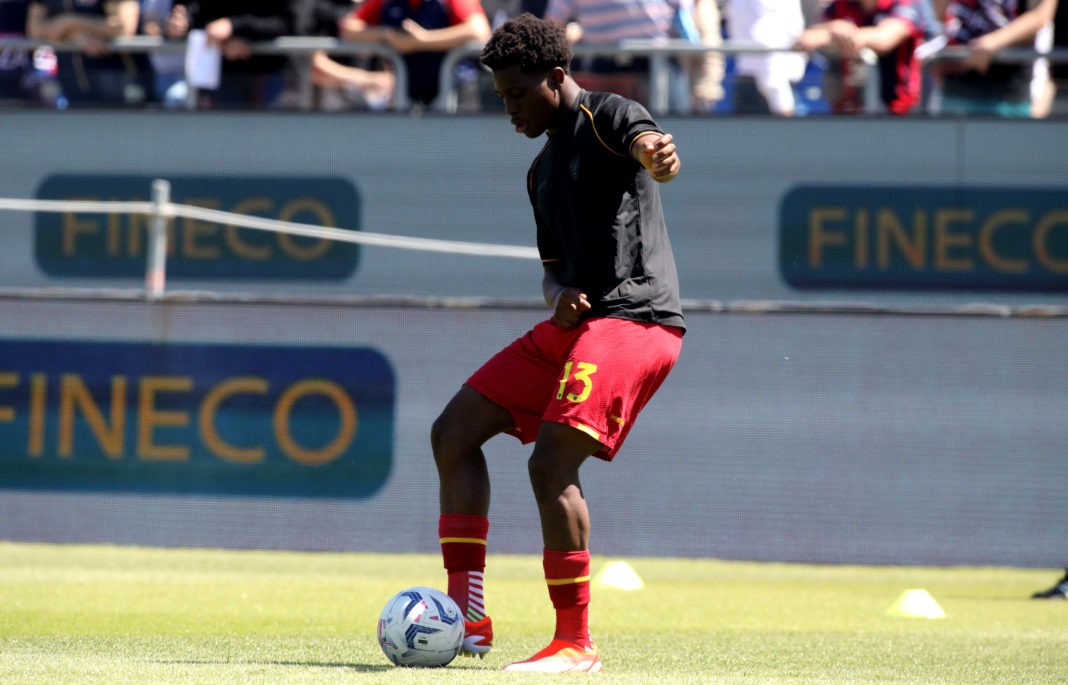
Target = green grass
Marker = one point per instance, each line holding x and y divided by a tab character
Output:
94	614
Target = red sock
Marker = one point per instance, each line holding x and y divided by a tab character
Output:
463	549
568	577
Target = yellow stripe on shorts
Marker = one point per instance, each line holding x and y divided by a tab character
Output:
588	431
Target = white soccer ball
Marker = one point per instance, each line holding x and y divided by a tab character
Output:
421	626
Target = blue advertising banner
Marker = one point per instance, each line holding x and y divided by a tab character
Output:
924	237
110	245
195	418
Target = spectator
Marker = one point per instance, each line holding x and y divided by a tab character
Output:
1019	31
92	75
423	31
168	68
608	23
765	82
891	29
247	80
931	16
1056	12
977	85
345	81
15	65
706	71
500	11
1041	87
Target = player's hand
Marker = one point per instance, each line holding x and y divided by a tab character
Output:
658	154
570	307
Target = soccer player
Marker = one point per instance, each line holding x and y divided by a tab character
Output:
575	383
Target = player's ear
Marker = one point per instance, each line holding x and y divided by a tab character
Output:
556	77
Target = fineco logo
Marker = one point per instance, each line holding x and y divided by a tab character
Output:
81	244
924	237
224	419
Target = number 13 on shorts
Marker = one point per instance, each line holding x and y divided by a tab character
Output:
582	374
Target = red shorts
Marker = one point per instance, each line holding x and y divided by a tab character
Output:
596	377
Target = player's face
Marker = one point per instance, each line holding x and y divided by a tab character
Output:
530	100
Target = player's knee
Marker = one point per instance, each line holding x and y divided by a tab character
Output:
444	436
451	438
466	423
540	476
548	478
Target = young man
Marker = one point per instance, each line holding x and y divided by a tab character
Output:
575	383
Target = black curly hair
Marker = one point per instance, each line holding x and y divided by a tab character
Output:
530	43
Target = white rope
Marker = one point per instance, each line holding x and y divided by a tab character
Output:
86	206
171	210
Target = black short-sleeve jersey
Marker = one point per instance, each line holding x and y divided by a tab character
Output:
598	213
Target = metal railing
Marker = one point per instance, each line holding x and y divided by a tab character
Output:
955	54
285	45
1006	56
658	52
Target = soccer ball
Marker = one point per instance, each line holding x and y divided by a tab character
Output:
421	626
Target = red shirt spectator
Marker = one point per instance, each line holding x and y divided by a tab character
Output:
423	31
890	28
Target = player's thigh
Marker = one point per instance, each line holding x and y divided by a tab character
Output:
469	420
523	376
610	374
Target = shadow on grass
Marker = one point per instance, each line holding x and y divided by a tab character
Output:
360	668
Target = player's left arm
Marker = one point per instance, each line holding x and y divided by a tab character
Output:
656	152
568	304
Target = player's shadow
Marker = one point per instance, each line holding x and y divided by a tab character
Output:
358	667
361	668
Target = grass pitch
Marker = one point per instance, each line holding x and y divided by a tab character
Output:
95	614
